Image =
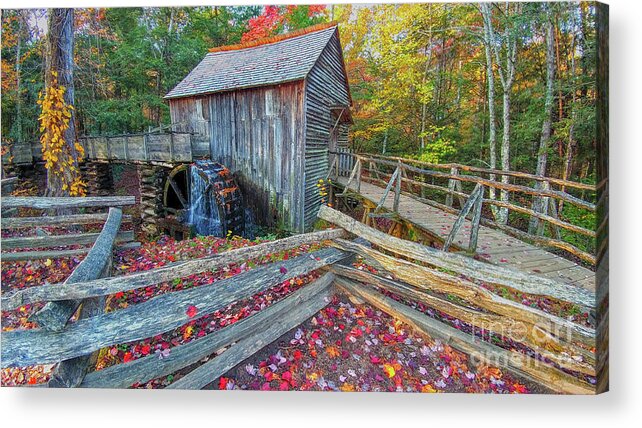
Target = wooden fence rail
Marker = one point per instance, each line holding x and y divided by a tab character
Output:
563	349
553	351
50	245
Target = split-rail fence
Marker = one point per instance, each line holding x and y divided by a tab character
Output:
546	349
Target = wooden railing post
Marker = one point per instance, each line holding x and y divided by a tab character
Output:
107	140
395	205
359	166
126	147
387	189
474	227
146	155
171	146
451	186
355	169
331	167
374	170
472	201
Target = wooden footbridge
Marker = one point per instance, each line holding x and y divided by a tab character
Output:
409	192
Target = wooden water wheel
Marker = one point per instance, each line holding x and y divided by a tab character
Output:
226	203
176	192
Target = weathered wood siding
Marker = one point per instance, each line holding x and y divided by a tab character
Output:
193	115
326	86
258	134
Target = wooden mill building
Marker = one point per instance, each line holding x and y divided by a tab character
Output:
270	110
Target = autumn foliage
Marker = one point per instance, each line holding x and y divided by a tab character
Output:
59	157
275	19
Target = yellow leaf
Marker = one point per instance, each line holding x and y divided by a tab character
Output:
428	388
48	262
389	370
347	387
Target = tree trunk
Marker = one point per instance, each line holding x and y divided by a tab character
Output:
492	126
540	204
18	124
571	144
507	77
60	59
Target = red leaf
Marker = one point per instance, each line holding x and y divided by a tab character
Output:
192	311
127	357
222	383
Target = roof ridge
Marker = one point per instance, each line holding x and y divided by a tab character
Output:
275	39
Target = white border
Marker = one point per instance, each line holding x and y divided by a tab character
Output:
124	408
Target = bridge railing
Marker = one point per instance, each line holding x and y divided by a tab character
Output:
449	186
142	147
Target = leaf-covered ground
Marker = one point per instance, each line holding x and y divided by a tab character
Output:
353	347
345	347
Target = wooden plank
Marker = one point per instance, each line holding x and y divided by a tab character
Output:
17	222
439	282
144	369
54	316
7	181
60	240
493	274
106	286
57	254
43	202
273	328
516	363
553	348
155	316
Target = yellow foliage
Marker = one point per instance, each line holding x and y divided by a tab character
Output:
58	155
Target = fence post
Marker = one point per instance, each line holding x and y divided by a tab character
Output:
451	186
474	227
395	206
472	201
359	175
97	264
